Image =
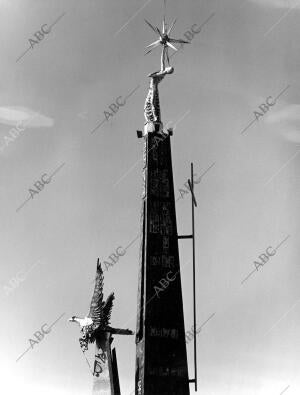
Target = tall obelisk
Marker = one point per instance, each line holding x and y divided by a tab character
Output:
161	358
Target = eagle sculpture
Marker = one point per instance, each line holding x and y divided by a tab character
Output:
97	321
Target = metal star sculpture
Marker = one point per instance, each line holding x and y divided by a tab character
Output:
164	40
97	321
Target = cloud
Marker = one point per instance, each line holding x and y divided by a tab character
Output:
288	121
25	116
288	113
278	3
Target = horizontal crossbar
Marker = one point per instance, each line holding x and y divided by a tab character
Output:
185	237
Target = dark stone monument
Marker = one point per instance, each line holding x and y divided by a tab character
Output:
161	358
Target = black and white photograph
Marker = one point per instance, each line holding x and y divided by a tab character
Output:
150	186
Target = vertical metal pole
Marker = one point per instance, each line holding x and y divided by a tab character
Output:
194	277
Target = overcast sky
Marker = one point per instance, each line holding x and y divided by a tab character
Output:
54	90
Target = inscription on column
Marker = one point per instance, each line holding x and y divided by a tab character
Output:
165	184
171	333
154	218
161	365
101	371
100	360
163	371
166	223
164	261
165	244
159	183
160	220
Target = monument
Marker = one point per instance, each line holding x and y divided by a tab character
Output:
161	357
95	328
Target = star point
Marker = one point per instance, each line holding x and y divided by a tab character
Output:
164	40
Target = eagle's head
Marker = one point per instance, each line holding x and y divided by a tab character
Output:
73	319
82	322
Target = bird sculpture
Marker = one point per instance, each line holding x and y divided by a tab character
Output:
166	42
97	321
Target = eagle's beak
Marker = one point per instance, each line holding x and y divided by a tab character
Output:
70	319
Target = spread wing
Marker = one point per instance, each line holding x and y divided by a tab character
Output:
97	303
107	309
